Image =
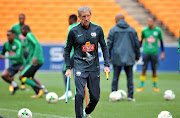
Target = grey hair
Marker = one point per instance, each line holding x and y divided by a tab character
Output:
83	8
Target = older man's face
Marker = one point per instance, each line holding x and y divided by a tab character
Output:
85	18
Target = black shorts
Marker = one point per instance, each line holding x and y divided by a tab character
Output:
30	70
150	58
13	69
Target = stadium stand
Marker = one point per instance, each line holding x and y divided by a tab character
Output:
48	19
166	11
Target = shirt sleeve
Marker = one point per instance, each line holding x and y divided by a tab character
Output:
36	45
104	48
110	41
18	52
137	45
67	49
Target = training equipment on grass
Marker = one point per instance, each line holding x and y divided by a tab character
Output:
24	113
165	114
107	76
52	97
114	96
122	94
67	87
169	95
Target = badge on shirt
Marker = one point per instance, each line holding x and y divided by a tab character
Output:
155	33
14	47
93	34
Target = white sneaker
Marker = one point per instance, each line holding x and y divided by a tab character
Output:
63	97
86	115
132	99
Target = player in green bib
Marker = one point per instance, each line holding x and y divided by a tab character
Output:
34	61
151	35
14	48
72	23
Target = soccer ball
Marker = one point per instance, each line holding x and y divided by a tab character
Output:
169	95
122	94
52	97
114	96
24	113
165	114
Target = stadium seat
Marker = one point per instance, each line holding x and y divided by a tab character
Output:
166	11
48	19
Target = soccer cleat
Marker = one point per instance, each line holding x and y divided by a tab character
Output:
41	92
44	89
23	87
132	99
86	115
11	88
63	97
140	89
15	89
156	89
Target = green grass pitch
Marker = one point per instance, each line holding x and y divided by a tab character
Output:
148	103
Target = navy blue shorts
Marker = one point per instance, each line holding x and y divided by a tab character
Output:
13	69
150	58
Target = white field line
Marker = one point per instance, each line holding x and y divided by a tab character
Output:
38	114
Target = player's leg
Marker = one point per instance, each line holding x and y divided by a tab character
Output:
11	88
9	73
130	85
80	82
6	76
28	73
117	70
93	84
23	87
154	64
69	91
39	83
146	58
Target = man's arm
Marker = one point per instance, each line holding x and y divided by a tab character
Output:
110	42
104	48
162	56
137	45
2	52
37	48
67	49
35	43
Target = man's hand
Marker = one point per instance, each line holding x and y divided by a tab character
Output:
68	72
106	69
34	61
2	57
162	56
